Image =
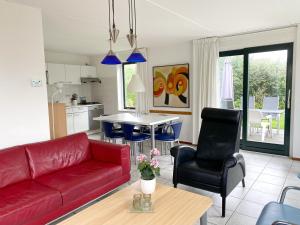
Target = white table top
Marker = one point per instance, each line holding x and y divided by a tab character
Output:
143	119
276	111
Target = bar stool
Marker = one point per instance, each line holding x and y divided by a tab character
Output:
112	134
134	138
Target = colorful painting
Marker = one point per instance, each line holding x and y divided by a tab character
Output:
171	86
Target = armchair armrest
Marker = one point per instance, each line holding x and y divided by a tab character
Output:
285	190
234	160
182	153
111	153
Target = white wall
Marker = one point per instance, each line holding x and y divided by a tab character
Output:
174	54
107	91
23	109
66	58
295	120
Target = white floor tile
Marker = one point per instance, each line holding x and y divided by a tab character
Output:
248	208
292	202
276	172
231	202
267	188
260	197
215	215
238	219
239	192
271	179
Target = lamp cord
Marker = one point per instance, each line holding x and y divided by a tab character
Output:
135	24
113	11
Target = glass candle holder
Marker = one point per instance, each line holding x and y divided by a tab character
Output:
137	198
147	201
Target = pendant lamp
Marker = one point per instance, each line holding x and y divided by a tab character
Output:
136	56
111	58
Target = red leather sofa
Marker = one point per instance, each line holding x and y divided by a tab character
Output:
43	181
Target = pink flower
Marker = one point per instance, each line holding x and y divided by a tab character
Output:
141	157
154	163
155	152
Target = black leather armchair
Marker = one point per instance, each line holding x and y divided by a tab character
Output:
216	165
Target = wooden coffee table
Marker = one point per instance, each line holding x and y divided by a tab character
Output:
172	206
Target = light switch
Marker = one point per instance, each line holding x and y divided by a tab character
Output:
36	83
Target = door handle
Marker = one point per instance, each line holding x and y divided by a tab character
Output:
289	99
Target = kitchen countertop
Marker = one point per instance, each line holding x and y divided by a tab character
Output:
74	106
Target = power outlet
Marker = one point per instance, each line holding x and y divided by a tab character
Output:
36	83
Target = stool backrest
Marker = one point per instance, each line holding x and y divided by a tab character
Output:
127	130
108	128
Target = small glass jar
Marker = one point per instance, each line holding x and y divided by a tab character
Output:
137	199
147	202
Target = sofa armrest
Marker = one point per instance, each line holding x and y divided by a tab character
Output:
182	153
111	153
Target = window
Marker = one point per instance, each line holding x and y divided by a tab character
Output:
129	98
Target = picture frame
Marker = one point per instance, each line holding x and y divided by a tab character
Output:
171	86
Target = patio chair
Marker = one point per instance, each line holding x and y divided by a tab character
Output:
271	103
278	213
258	121
251	102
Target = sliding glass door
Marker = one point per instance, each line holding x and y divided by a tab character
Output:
258	81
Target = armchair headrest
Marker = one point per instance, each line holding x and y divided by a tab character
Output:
222	115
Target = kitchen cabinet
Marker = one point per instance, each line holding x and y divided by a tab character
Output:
70	123
88	71
73	74
56	73
81	121
77	119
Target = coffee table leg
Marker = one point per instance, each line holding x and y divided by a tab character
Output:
203	219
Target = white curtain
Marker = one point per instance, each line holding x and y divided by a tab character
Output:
205	80
142	98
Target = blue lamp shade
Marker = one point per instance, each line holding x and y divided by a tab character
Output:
111	59
136	57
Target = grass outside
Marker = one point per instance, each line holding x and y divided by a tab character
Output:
281	122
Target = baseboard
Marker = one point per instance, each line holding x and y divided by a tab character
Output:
295	158
187	143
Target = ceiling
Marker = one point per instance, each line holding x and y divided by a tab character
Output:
80	26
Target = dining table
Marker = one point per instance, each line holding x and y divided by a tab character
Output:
276	112
149	119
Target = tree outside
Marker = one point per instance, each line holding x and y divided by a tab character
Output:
267	77
130	97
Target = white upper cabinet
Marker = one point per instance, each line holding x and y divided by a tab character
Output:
56	73
88	71
73	74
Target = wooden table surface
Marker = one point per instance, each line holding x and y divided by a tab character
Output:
171	207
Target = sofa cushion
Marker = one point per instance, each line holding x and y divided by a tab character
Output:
75	181
25	201
13	166
50	156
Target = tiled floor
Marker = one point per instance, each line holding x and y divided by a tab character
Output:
266	175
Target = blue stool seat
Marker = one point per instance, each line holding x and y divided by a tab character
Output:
116	134
274	211
165	137
139	137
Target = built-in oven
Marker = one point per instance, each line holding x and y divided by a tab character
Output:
95	111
